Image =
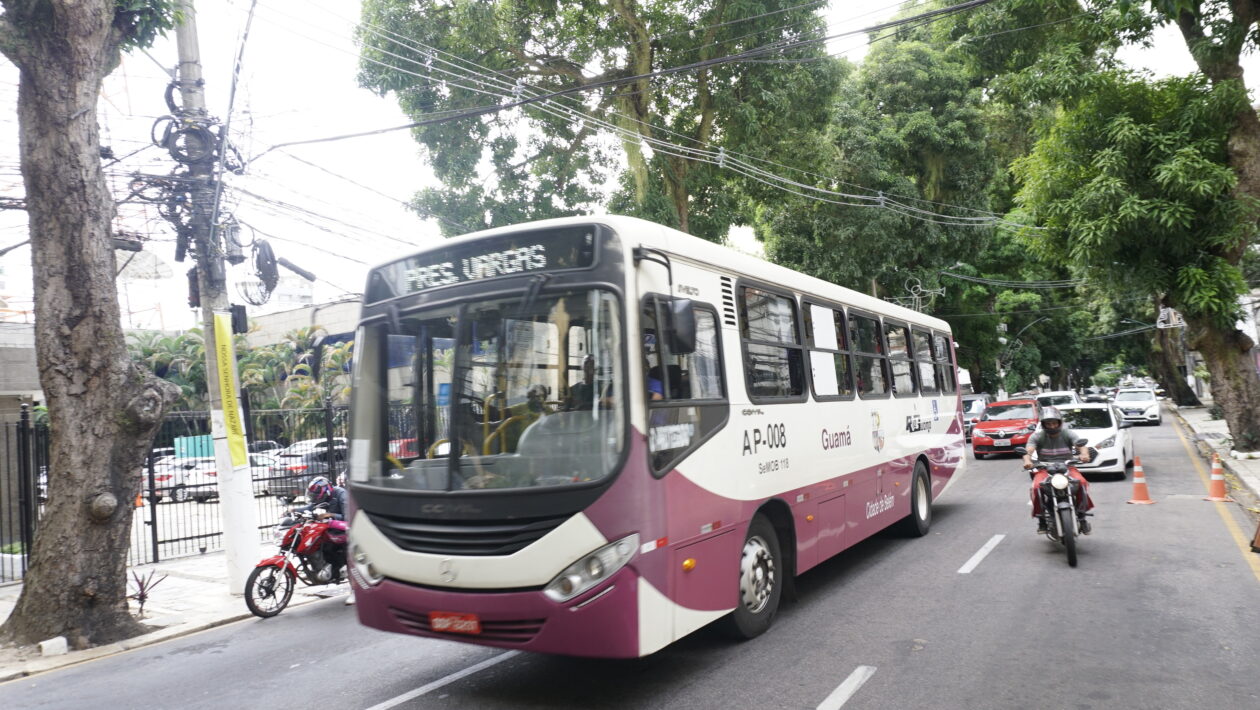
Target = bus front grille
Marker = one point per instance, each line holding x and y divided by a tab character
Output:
477	538
503	631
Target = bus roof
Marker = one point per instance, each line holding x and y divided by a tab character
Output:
708	254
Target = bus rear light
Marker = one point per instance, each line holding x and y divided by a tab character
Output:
592	569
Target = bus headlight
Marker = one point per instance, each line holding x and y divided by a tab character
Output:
364	567
592	569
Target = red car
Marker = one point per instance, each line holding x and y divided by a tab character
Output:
1003	426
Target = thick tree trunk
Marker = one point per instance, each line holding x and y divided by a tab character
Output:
103	409
1235	385
1163	358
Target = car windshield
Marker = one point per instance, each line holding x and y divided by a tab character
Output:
506	393
1087	419
1135	396
1010	411
973	406
1055	399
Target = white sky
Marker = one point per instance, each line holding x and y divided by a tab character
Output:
298	82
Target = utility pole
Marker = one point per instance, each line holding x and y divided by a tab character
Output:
236	494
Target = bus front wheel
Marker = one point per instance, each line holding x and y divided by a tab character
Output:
917	523
760	581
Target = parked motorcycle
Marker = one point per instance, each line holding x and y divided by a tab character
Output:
1060	494
305	543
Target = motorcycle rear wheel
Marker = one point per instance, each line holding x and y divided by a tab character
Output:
1067	533
268	590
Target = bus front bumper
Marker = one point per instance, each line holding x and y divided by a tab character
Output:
602	622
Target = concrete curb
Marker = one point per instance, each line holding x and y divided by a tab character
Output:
1249	483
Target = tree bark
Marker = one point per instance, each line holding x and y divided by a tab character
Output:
103	409
1163	358
1235	386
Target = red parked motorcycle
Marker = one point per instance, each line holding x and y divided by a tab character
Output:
305	544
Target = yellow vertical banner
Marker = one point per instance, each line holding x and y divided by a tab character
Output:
225	357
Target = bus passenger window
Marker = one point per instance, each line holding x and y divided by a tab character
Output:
870	365
923	362
827	337
774	365
943	356
899	358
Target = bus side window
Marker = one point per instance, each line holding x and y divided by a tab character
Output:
942	355
774	365
899	358
871	367
827	338
923	361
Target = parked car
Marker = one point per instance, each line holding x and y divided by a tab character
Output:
264	446
1058	398
203	478
1004	426
1139	404
295	470
973	406
1106	430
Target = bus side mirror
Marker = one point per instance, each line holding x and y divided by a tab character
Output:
682	327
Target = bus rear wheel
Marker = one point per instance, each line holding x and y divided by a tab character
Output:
760	581
919	521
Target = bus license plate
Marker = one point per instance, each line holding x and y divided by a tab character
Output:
1001	442
453	623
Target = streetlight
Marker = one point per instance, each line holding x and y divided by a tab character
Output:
1012	346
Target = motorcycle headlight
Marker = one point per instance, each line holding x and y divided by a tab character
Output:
1059	481
363	566
592	569
1109	441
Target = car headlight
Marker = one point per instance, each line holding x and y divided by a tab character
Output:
1152	409
592	569
1030	428
1109	441
364	567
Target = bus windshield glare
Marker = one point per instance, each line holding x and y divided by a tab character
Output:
500	394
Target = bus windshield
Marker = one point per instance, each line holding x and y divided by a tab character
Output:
507	393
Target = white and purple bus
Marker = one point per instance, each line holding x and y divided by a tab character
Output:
593	436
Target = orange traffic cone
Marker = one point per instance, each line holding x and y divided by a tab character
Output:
1140	495
1217	492
139	500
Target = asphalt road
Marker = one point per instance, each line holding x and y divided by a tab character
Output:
1161	612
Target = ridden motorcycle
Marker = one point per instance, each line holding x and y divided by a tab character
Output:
305	543
1061	496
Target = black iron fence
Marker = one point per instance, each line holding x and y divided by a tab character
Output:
176	513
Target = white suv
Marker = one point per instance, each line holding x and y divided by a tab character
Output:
1139	404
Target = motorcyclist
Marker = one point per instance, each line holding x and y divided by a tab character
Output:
328	501
1055	442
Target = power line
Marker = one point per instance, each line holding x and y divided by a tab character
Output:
776	47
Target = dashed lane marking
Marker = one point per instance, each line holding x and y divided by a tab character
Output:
983	552
841	695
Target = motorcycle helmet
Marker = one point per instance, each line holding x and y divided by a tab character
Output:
319	490
1051	414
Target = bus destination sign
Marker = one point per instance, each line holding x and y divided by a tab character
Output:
493	257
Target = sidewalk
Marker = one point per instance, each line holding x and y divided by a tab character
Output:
1242	476
193	597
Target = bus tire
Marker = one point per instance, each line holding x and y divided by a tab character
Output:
760	581
919	521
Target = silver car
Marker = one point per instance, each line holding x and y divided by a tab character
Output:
1139	404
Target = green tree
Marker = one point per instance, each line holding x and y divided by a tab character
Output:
543	160
907	126
1135	182
103	408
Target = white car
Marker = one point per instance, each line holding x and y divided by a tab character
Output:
1058	399
1139	404
1107	432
